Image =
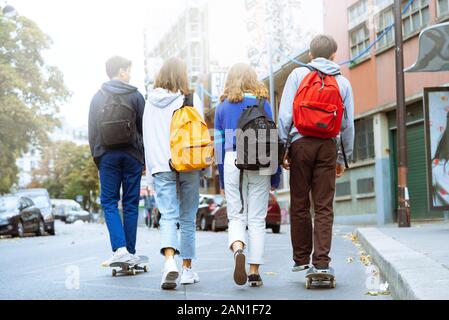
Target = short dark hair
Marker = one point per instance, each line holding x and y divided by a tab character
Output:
323	46
114	64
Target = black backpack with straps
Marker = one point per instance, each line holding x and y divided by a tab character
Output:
257	142
116	121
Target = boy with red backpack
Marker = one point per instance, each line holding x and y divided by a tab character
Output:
316	120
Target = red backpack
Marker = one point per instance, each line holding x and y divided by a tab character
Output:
318	107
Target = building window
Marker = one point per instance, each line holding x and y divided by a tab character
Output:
359	40
416	17
343	189
357	25
443	8
384	20
364	140
383	3
358	13
365	186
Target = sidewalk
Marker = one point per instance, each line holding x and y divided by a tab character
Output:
414	261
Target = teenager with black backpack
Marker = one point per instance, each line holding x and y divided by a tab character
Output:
115	138
317	118
246	146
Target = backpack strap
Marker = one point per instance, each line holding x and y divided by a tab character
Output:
261	105
241	191
188	100
344	153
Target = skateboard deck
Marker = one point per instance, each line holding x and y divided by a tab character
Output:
129	269
321	280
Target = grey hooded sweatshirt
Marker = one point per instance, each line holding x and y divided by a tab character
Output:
288	97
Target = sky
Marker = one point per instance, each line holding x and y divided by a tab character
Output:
85	33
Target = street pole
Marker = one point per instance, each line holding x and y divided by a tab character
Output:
272	94
269	7
401	119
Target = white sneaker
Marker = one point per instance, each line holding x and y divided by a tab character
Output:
121	255
189	277
170	276
135	260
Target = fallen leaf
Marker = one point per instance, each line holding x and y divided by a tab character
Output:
378	293
365	259
350	260
270	273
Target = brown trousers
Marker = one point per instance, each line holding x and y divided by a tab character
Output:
313	171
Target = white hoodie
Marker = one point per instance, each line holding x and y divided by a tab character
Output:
157	119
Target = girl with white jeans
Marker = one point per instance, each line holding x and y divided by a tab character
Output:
243	90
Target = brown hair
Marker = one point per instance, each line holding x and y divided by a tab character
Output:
173	77
323	46
242	79
115	64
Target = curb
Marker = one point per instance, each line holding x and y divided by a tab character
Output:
411	275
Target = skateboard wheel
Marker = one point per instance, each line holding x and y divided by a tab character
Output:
308	284
334	284
145	269
114	272
134	272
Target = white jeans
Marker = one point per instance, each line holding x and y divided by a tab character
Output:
256	190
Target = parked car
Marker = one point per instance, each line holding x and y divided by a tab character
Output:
76	213
208	204
60	208
19	215
41	199
95	217
219	221
274	216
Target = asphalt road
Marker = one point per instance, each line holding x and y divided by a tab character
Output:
67	266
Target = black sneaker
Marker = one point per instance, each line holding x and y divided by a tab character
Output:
298	267
255	280
240	276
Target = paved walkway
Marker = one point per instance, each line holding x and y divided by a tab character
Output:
414	261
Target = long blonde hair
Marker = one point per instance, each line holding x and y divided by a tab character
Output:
173	77
242	79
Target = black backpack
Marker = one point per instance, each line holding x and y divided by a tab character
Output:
257	142
116	121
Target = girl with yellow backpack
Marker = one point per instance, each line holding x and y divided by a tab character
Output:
177	147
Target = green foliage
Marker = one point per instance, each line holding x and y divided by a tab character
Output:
30	93
66	171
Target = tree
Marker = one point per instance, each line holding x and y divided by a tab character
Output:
30	94
67	171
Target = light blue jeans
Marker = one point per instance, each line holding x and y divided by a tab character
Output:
176	209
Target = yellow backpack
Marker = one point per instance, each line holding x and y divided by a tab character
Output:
191	145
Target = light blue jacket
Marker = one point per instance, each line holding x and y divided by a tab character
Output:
288	97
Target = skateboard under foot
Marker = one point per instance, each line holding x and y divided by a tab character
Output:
321	280
129	269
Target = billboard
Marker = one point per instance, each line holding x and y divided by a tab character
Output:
436	110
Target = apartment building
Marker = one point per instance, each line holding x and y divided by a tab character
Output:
368	192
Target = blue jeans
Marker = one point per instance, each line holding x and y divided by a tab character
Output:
119	169
176	209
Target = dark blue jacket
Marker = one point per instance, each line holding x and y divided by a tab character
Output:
136	100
